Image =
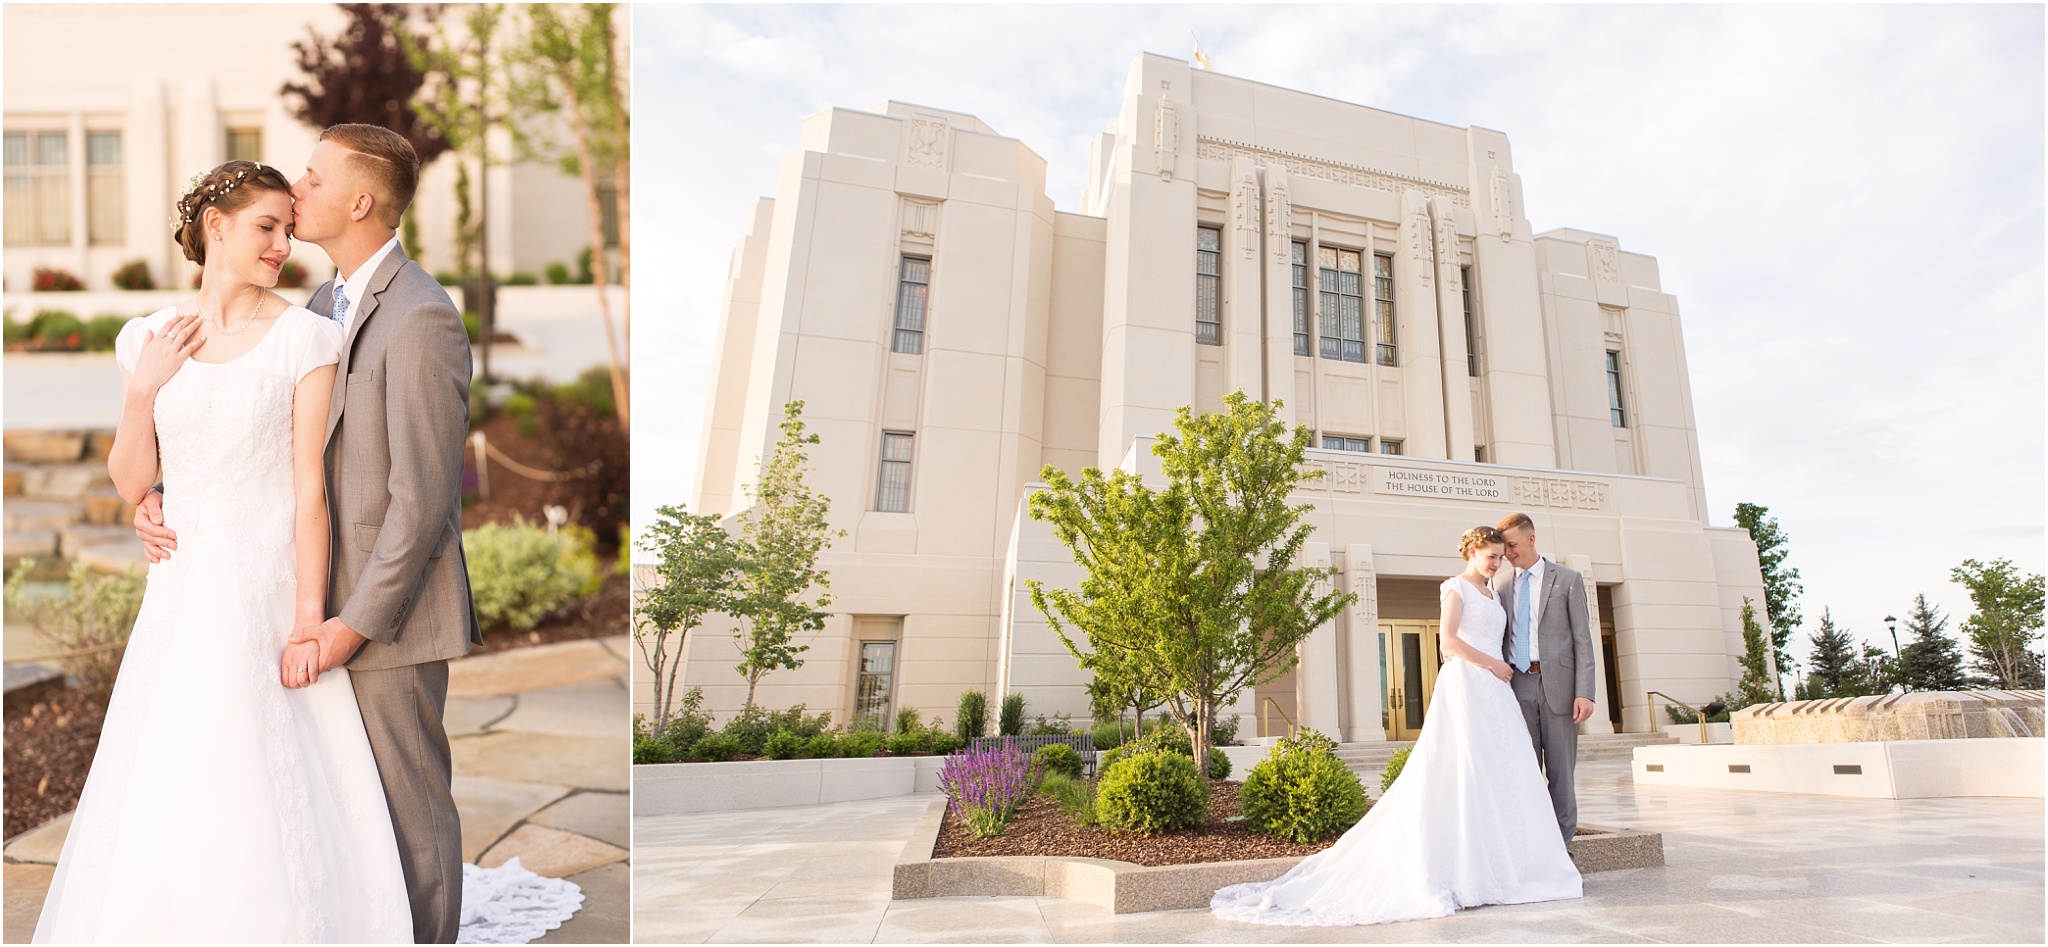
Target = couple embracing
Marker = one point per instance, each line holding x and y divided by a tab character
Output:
1476	817
273	766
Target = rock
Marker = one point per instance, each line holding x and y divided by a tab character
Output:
605	917
590	708
42	844
26	885
106	508
491	807
45	447
37	515
14	483
552	852
76	538
40	543
526	669
98	444
601	815
64	481
580	761
114	557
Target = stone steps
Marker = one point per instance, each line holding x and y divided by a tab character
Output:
61	503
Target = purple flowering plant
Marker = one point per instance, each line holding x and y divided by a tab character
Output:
985	786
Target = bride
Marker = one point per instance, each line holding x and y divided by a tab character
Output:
1468	823
223	805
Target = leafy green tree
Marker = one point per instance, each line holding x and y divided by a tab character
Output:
698	567
2004	631
1781	582
1931	661
780	536
1833	661
571	53
1194	588
1756	686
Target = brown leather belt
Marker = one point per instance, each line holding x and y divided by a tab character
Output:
1535	667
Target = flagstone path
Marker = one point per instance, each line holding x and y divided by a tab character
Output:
541	752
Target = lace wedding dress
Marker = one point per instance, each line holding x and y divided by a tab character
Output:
1468	823
222	806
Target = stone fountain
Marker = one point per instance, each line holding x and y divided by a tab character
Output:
1921	715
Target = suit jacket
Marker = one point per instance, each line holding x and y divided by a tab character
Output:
1564	640
395	435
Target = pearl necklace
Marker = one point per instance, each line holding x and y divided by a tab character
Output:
215	322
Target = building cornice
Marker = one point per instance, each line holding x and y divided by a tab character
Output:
1321	169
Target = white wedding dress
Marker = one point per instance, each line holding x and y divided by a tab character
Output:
1469	821
221	805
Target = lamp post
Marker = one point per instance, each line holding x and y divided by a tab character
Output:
1897	661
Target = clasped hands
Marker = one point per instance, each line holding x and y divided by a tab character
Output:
316	648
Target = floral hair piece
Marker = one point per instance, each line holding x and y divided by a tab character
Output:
198	192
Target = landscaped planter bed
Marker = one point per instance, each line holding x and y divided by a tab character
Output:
1040	828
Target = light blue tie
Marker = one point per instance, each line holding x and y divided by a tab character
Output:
1522	622
341	307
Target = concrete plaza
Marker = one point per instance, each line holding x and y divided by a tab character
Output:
1741	867
540	747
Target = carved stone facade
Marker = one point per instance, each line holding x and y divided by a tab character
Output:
1068	339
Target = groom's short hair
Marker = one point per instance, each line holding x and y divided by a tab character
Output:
1516	521
386	160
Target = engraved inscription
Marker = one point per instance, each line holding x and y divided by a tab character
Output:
1441	484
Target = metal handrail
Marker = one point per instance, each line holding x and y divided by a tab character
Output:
1697	713
1265	702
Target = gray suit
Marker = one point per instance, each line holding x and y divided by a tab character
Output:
395	435
1564	649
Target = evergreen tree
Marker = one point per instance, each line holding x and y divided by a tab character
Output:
1833	660
1755	686
1931	661
1781	582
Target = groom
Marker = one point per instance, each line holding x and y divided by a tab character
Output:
397	588
1553	678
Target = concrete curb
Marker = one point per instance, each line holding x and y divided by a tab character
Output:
1124	888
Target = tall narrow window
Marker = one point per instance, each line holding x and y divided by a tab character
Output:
38	188
1471	325
1390	447
1339	285
1300	259
872	692
245	144
1209	286
1335	442
104	209
893	494
1383	307
913	287
1479	455
1615	411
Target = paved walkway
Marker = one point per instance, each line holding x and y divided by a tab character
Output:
1741	866
541	751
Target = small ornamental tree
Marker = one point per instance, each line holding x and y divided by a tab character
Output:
1193	590
1756	685
1781	582
363	74
2004	631
697	569
780	536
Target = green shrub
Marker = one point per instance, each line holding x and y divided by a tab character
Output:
134	274
17	332
1058	725
1394	765
941	742
519	574
1224	731
907	720
1173	739
1108	734
583	274
1010	721
57	329
473	326
1076	799
824	746
753	727
520	407
716	748
1152	792
1309	740
1302	794
689	724
973	719
558	274
860	743
99	333
520	278
90	621
783	745
648	748
1059	758
1682	715
902	744
592	390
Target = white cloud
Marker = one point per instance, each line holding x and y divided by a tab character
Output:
1847	202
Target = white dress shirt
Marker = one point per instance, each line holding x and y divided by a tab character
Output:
357	285
1535	601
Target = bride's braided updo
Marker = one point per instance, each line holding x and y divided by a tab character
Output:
228	189
1476	537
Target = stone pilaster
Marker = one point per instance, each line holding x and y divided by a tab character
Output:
1420	356
1362	665
1600	722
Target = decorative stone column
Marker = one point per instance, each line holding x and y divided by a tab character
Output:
1362	667
1316	680
1450	309
1419	354
1599	722
1278	267
1243	327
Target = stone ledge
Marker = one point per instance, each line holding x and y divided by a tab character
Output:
1125	888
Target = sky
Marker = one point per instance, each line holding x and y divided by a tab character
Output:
1846	201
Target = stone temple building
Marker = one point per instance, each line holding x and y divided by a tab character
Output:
951	333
